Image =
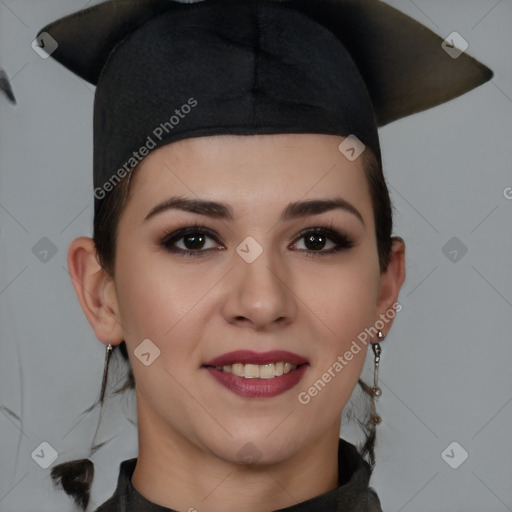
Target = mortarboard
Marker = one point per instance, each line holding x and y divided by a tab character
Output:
166	70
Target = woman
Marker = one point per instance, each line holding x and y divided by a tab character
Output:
242	253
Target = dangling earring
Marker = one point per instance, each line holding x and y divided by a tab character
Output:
108	353
377	350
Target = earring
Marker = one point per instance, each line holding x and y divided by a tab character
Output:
108	353
377	350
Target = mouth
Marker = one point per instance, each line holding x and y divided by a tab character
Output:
258	374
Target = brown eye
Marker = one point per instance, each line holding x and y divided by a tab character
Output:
316	240
195	241
190	241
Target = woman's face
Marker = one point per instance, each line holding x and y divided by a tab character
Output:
255	276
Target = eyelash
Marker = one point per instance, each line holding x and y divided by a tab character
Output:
342	240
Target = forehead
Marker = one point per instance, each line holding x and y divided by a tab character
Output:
253	172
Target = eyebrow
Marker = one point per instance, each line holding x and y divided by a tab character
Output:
222	211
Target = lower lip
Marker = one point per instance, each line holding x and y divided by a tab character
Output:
258	388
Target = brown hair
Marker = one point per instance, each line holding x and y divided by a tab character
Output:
76	476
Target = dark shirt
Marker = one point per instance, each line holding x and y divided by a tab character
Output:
352	495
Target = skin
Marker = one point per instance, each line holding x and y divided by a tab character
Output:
198	307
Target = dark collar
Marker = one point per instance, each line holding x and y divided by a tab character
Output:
352	495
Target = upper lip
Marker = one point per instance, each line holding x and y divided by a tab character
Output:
251	357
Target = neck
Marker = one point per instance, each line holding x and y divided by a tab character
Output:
173	472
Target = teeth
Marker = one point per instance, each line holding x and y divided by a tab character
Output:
267	371
251	371
259	371
288	367
237	369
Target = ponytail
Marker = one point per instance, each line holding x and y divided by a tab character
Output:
75	477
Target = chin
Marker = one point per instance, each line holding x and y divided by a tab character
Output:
257	447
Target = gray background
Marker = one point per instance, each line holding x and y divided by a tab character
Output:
446	366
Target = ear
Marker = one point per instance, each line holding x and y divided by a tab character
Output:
95	290
391	281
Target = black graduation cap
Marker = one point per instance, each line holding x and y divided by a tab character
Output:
167	70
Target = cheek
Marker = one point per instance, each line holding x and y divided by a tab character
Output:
342	297
341	305
153	300
153	303
154	293
164	302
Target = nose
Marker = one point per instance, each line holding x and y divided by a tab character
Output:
260	295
